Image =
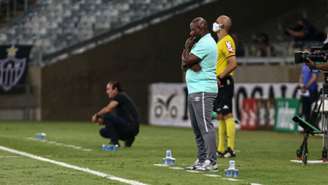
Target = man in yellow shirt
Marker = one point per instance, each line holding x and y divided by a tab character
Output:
225	66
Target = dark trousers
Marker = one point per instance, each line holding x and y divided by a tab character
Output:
307	102
117	128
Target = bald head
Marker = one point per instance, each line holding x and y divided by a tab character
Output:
225	21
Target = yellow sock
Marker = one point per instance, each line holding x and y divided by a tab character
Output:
231	132
221	135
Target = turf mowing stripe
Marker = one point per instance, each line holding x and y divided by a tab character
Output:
61	144
66	165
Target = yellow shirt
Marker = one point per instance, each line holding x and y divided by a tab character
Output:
226	48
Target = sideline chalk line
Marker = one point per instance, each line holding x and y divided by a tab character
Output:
66	165
61	144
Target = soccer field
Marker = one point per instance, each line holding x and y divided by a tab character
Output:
262	157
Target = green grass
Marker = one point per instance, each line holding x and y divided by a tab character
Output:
263	157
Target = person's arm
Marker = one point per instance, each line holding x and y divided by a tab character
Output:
232	65
313	65
107	109
313	79
188	60
298	34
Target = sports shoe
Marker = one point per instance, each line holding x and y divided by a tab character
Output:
207	165
194	166
116	144
229	153
220	154
128	142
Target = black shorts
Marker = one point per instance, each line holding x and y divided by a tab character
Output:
223	101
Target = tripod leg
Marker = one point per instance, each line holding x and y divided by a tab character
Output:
299	151
305	149
324	154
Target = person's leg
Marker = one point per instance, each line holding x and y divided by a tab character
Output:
203	106
228	117
306	108
201	150
221	124
114	126
221	135
128	134
109	132
231	131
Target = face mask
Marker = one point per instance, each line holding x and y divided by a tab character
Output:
216	27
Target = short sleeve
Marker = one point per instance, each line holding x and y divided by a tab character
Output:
199	50
118	98
228	48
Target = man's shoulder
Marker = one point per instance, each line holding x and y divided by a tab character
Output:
225	40
227	43
206	40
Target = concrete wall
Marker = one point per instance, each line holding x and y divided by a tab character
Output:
26	105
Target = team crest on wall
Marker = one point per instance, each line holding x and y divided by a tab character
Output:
13	67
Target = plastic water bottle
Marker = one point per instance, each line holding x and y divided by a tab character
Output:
231	171
169	160
40	136
111	148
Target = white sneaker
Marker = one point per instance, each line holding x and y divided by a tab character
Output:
194	166
207	165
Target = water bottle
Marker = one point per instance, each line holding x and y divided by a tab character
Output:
169	160
40	136
231	171
111	148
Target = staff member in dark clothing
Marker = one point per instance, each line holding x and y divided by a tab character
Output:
309	89
120	116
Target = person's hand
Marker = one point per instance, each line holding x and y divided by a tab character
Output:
310	63
196	67
220	77
303	89
94	118
189	43
184	67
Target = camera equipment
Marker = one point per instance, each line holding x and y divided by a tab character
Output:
319	114
316	54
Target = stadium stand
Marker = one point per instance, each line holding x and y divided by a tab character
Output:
54	25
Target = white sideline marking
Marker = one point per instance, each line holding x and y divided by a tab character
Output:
176	168
230	179
161	165
61	144
309	161
212	175
255	184
66	165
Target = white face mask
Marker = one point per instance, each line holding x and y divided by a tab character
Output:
216	27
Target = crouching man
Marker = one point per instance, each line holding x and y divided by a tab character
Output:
119	116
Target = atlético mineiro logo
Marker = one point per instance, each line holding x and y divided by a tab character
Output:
11	69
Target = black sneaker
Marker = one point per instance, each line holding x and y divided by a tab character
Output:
229	153
220	154
129	141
